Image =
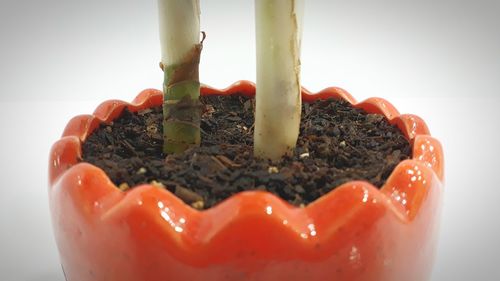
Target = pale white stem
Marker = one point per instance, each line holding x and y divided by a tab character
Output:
179	29
278	99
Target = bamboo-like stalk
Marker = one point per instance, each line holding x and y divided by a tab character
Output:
181	50
278	96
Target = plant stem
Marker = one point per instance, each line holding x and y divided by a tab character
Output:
181	50
278	96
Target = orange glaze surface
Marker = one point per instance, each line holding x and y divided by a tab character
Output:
356	232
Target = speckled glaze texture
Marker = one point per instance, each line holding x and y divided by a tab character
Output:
356	232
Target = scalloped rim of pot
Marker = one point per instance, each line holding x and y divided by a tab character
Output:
85	203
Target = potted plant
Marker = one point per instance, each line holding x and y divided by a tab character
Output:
163	230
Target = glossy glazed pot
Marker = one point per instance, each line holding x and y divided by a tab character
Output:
355	232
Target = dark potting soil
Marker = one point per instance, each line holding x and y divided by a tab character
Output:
337	144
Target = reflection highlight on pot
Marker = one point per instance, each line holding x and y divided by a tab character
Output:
312	230
355	257
428	146
365	196
400	197
164	212
269	210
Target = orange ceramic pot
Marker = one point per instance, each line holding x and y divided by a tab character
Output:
356	232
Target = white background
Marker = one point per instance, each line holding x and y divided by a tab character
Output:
436	59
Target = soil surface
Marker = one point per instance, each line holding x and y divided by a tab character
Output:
337	144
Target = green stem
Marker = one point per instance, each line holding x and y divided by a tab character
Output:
181	106
181	49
